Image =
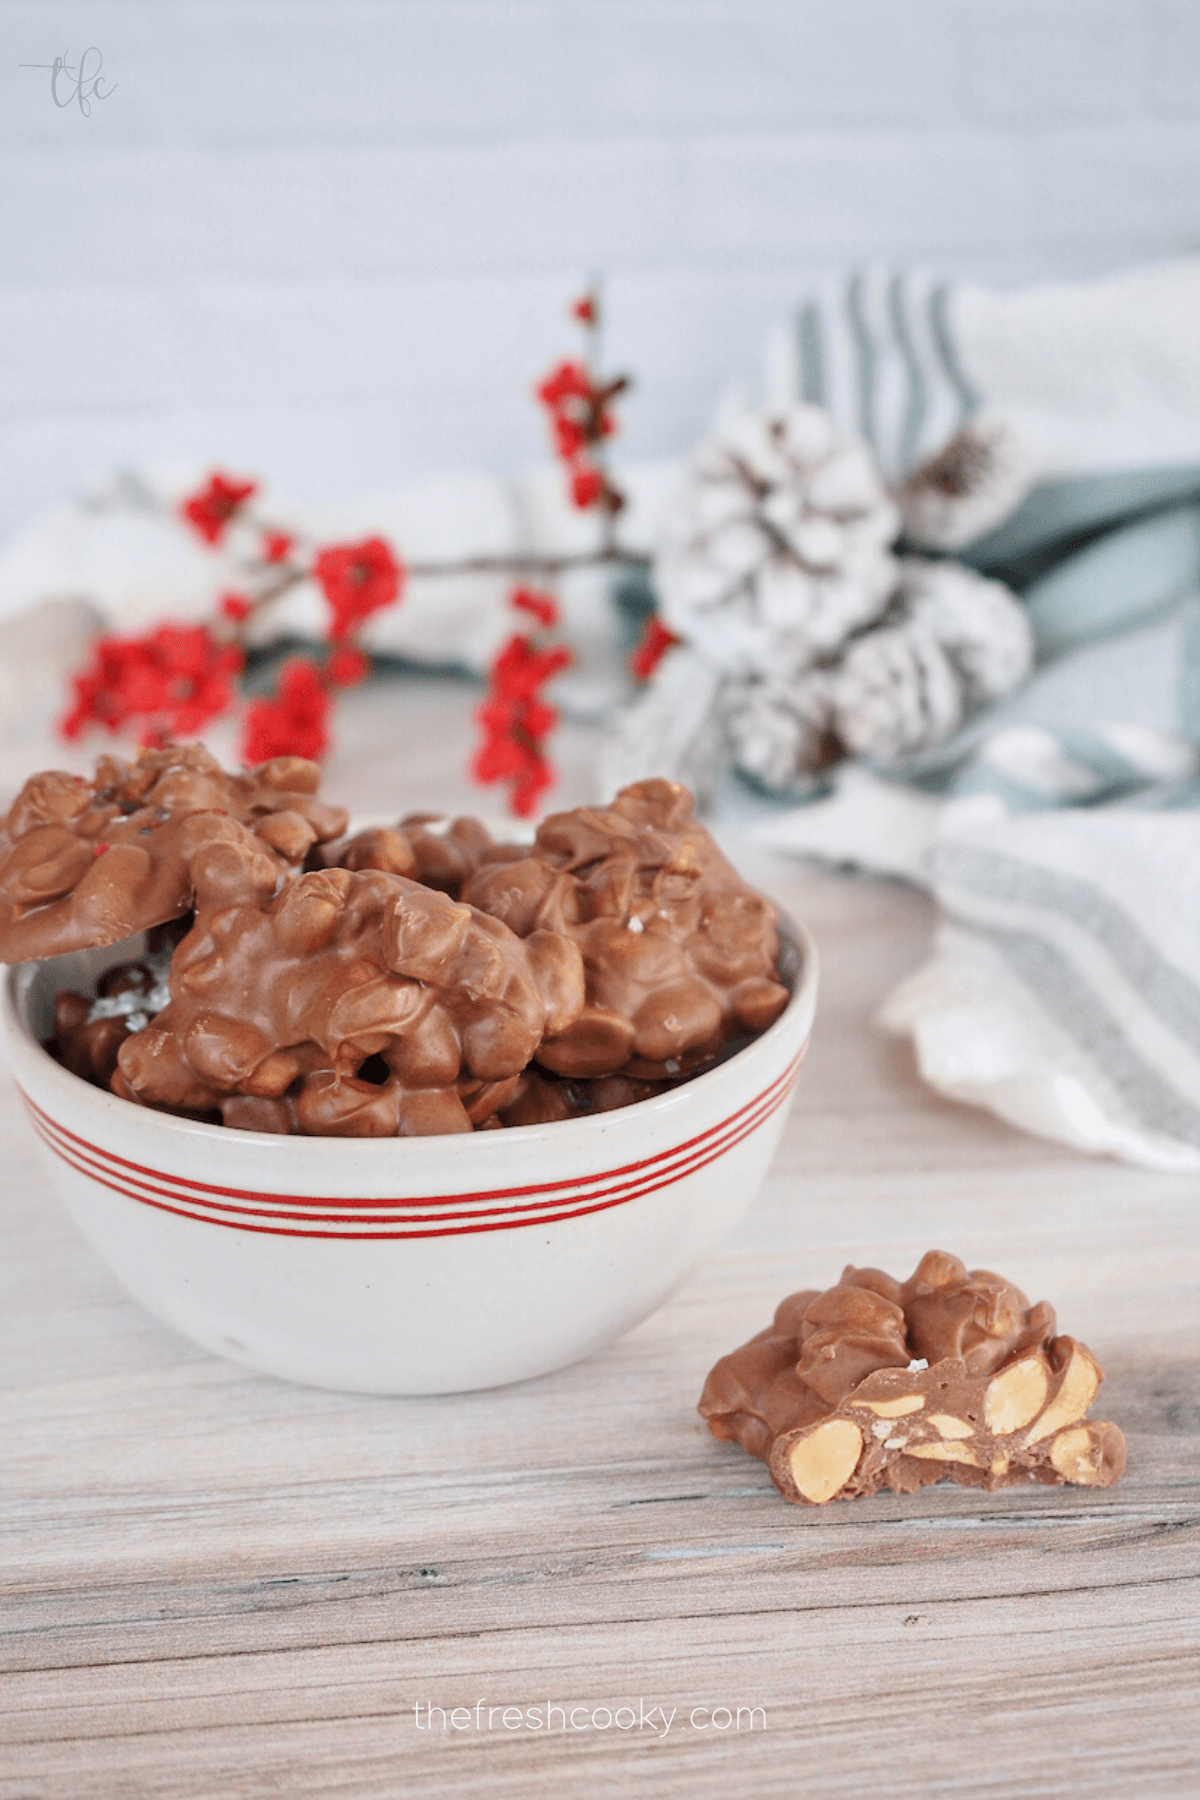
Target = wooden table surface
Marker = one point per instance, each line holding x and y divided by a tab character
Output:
218	1585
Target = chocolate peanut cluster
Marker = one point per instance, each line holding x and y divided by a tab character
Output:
438	852
539	1097
87	863
877	1384
680	954
353	1003
405	980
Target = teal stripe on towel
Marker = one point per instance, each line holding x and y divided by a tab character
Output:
1080	1010
868	356
917	407
812	354
1189	673
1123	579
1056	515
1164	988
969	397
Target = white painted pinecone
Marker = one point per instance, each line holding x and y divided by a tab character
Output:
971	484
781	731
780	545
951	641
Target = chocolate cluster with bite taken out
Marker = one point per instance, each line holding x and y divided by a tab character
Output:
876	1383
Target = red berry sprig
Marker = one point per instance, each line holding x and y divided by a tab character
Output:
212	509
168	683
515	718
579	404
175	680
294	721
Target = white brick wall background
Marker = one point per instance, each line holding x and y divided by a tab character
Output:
333	239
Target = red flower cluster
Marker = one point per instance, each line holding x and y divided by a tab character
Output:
587	486
292	723
580	417
357	580
211	509
516	721
172	681
652	646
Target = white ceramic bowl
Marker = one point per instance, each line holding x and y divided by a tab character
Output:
411	1265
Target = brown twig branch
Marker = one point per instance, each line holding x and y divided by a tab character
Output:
532	563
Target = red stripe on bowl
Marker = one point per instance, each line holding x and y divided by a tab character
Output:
416	1209
650	1175
196	1190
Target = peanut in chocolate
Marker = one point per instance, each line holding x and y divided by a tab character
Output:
875	1383
438	852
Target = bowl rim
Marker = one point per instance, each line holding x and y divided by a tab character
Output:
687	1095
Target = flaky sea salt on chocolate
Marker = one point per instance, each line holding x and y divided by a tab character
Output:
875	1383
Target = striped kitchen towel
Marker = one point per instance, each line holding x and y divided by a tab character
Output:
1064	989
1083	397
880	352
1064	852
